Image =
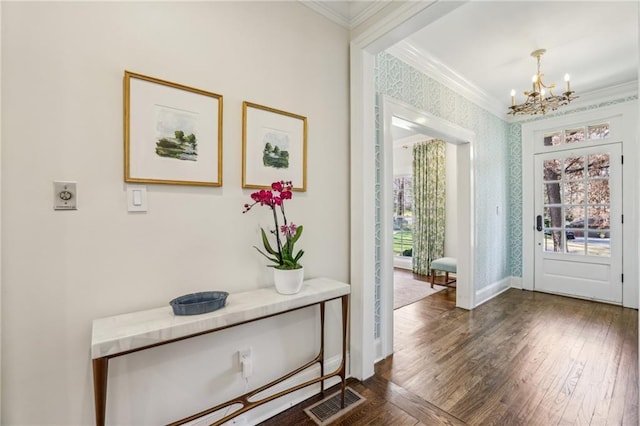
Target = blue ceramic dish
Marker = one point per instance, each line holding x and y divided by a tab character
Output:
199	303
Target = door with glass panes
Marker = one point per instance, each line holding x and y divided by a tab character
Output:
578	221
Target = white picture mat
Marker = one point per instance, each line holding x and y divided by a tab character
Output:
258	121
144	163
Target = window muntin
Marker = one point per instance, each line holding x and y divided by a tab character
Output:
577	135
576	205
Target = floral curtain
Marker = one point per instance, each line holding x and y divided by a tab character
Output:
429	204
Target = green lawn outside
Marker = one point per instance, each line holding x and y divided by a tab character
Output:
402	240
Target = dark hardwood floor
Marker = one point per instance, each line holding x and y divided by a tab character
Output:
523	358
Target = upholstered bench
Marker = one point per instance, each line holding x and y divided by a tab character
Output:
446	264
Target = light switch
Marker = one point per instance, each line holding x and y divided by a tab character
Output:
136	198
65	196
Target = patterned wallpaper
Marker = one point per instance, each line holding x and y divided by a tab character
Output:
498	174
515	199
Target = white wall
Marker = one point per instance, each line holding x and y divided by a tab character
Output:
451	201
402	160
0	217
62	67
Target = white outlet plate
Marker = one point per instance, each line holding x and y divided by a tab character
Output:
244	354
65	196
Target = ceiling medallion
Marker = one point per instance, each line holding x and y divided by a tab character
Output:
538	102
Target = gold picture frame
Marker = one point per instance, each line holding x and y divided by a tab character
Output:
172	133
274	147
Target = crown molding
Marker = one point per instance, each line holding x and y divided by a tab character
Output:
348	22
327	12
435	69
367	13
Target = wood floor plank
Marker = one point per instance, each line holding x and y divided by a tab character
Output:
417	407
522	358
554	379
501	405
488	401
600	357
616	408
630	371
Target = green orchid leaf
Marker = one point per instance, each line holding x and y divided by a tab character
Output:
289	264
274	260
267	245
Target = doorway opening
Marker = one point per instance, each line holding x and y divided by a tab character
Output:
462	141
433	164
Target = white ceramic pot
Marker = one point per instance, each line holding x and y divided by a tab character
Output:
288	281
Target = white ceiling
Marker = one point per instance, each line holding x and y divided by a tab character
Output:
486	45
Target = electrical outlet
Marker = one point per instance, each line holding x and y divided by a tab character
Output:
65	196
246	362
244	355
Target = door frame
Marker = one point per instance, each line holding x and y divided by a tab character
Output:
379	33
625	114
436	127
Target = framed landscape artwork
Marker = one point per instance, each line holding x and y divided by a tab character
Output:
274	147
173	133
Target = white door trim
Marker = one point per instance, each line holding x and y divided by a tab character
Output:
428	124
382	31
626	114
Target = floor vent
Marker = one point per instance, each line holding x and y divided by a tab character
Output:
327	410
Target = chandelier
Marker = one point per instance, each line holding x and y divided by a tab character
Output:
538	101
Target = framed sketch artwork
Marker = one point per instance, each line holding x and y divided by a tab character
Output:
173	133
274	147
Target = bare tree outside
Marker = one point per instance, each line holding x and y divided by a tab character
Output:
403	215
577	198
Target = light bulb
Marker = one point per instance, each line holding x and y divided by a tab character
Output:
513	97
568	85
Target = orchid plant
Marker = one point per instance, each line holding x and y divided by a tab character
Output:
282	255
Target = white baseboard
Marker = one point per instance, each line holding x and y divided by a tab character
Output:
492	290
378	350
270	409
516	282
402	262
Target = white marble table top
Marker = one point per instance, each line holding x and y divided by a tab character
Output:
122	333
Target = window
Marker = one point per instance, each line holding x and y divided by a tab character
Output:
577	204
403	216
576	135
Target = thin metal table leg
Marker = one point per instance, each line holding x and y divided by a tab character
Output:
345	313
100	371
322	346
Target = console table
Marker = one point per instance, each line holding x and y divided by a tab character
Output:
124	334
